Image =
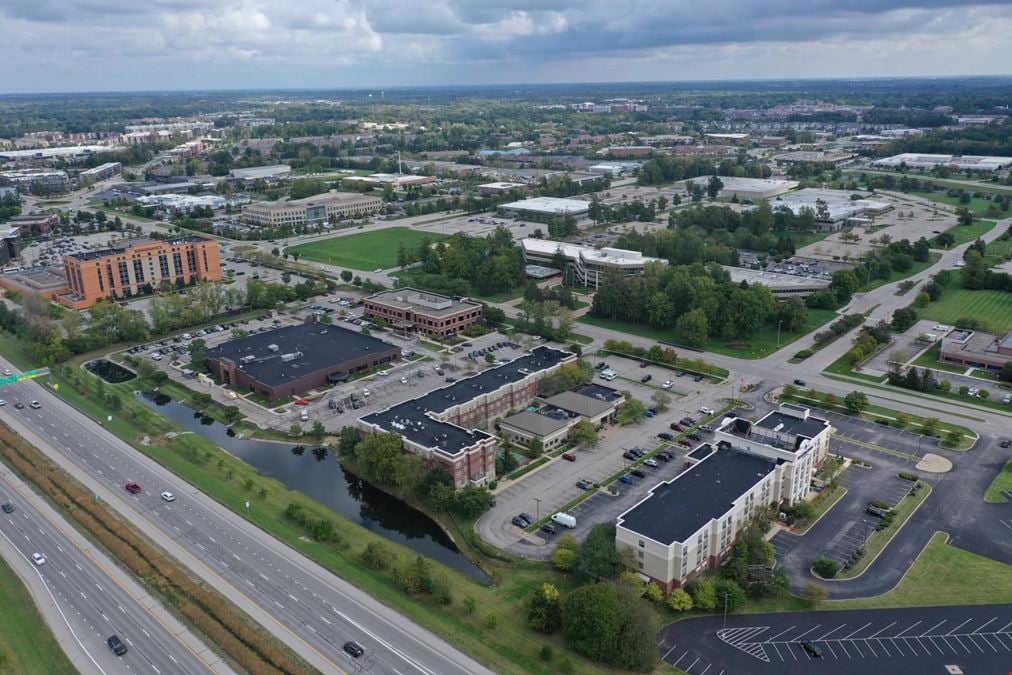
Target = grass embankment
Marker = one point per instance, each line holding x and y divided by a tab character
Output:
223	624
873	413
758	346
366	251
495	633
1001	483
943	575
879	539
27	646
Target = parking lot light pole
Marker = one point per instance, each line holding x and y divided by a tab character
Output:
725	610
537	501
779	324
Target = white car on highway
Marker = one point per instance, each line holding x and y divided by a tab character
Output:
38	559
168	496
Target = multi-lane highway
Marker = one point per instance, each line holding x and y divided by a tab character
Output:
88	599
309	608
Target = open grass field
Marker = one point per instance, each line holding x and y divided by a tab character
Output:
968	233
992	307
366	251
761	344
999	250
978	205
943	575
26	644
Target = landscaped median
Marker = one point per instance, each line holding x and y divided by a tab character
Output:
882	535
954	436
579	499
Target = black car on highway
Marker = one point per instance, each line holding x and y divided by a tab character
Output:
354	648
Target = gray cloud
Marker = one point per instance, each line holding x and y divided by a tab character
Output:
244	43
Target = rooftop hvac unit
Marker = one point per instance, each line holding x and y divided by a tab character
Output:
248	359
291	357
273	348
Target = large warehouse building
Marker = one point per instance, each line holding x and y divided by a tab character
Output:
744	188
972	163
311	210
833	209
287	362
543	209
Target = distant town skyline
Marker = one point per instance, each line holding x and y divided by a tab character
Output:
115	45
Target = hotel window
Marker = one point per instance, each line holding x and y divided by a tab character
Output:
191	261
163	265
124	274
108	274
177	263
101	284
139	271
204	253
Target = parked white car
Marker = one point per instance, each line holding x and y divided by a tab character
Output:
706	411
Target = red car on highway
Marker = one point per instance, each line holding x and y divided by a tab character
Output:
132	487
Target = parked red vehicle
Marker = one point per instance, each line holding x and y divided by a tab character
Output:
675	426
643	364
569	457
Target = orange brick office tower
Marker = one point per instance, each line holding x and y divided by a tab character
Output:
125	272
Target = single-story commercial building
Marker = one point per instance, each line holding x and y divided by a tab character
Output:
781	285
270	172
833	209
552	418
974	349
543	209
287	362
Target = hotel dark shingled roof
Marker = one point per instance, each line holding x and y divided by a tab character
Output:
321	346
410	420
679	508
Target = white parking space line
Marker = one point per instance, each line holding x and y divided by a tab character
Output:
875	634
907	628
853	633
959	626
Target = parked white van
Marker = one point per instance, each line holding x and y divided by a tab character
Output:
564	519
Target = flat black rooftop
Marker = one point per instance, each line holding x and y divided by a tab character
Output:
808	428
679	508
322	347
410	420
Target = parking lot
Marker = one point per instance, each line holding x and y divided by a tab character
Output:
897	641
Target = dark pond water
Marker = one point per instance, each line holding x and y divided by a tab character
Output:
315	472
113	373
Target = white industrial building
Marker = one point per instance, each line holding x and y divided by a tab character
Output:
500	188
71	153
973	163
588	264
833	209
744	188
543	209
781	285
270	172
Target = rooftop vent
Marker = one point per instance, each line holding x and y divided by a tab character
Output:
291	357
273	348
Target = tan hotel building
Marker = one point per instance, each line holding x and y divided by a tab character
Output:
123	272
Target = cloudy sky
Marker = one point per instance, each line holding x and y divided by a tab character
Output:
103	45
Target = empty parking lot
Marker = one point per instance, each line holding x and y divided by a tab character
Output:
901	641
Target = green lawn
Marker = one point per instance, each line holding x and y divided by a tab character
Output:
366	251
26	644
992	307
999	250
1001	482
967	233
977	204
762	344
943	575
929	359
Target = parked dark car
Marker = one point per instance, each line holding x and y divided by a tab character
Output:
685	443
628	454
637	451
520	522
815	651
584	484
549	528
569	457
698	378
646	378
666	436
799	382
695	437
626	478
638	473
